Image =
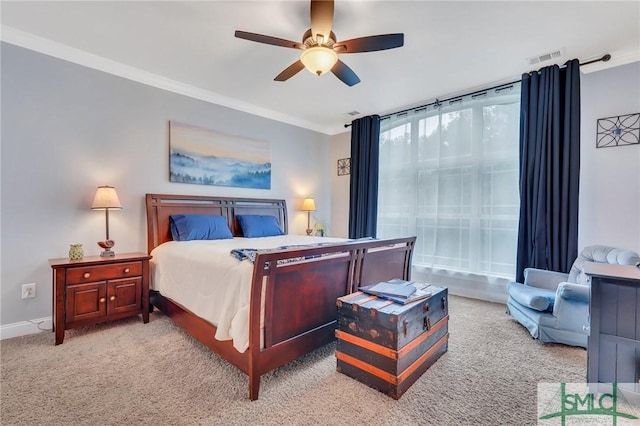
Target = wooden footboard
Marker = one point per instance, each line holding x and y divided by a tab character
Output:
300	297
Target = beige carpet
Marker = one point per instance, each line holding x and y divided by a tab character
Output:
128	373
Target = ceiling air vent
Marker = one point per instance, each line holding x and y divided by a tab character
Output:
545	57
353	113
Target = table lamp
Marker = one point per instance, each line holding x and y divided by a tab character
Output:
309	205
105	199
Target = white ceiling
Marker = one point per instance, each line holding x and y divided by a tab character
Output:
451	47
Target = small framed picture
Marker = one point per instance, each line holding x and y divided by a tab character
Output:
344	166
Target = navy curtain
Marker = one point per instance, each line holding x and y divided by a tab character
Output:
363	199
549	169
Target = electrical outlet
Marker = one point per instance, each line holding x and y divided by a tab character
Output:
28	290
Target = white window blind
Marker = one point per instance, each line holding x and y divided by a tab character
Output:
449	175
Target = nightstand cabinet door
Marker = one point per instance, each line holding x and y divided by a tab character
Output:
86	302
124	296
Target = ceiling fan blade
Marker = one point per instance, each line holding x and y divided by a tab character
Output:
344	73
290	71
260	38
370	43
321	18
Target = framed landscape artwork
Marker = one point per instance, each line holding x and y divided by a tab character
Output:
203	156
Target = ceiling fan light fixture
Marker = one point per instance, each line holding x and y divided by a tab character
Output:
319	46
318	60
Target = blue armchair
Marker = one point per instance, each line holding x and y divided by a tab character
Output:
554	306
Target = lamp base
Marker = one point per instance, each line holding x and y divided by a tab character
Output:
106	245
309	231
108	253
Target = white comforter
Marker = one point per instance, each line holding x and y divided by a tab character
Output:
205	278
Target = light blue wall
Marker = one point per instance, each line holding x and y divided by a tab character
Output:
609	177
67	129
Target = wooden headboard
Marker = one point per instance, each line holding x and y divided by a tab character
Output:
161	206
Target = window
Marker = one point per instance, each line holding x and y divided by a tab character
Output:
449	174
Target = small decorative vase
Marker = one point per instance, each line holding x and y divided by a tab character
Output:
75	251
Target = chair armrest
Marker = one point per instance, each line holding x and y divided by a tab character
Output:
571	307
576	292
539	299
543	279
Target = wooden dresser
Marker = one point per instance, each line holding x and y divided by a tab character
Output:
613	351
97	289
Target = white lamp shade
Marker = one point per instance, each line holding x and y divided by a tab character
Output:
106	198
319	59
309	205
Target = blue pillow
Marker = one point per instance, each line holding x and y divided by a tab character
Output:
186	227
259	226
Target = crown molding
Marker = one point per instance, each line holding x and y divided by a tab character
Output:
62	51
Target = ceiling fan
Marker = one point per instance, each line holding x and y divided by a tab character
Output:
320	47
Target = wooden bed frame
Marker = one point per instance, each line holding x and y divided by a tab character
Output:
299	296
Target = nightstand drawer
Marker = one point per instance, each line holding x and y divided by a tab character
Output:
88	274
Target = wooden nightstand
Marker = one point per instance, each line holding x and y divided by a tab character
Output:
98	289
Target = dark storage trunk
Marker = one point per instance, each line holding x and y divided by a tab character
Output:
388	346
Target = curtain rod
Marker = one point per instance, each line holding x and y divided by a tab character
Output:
500	87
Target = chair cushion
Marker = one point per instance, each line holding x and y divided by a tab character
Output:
539	299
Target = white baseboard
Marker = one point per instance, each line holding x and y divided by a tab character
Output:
34	326
480	294
478	290
24	328
491	289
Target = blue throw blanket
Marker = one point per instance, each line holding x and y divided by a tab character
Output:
245	253
250	253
